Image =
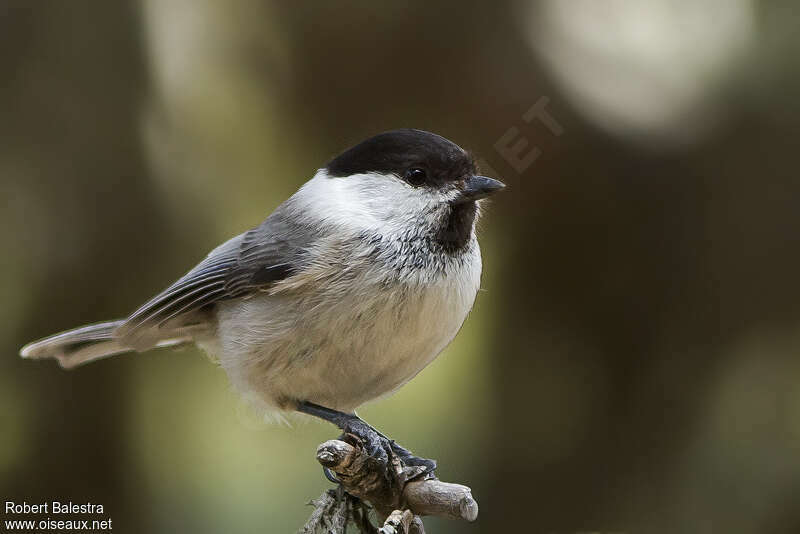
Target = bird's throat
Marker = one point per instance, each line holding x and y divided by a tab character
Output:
456	231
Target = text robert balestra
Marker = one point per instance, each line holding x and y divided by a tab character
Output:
53	507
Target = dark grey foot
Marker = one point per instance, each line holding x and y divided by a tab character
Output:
378	446
410	460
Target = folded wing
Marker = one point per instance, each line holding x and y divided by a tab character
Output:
249	262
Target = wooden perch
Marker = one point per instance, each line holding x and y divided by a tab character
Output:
398	497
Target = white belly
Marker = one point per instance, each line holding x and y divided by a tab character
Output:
340	348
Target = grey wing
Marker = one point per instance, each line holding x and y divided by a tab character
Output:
242	265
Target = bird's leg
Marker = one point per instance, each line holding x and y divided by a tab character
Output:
377	445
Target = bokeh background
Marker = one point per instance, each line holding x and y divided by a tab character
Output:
633	363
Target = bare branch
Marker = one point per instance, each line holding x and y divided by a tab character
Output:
398	494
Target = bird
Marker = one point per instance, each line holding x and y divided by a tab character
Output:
343	294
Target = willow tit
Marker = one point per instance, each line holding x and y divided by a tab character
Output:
342	295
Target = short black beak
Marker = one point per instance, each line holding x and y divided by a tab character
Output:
478	187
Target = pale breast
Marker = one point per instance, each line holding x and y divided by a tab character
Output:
343	340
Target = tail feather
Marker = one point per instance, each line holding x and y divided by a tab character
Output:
85	344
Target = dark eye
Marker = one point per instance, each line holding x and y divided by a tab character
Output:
416	176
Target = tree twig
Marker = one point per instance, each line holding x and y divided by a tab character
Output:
397	494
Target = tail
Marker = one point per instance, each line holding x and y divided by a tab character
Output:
85	344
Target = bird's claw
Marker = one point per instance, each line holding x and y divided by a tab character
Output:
409	460
381	450
377	446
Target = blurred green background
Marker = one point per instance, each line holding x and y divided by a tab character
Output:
633	363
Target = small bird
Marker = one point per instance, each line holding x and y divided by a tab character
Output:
342	295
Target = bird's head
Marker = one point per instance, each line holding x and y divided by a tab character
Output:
408	182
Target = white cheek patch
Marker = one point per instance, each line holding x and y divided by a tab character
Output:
329	200
365	202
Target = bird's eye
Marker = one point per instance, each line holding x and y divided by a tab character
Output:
416	176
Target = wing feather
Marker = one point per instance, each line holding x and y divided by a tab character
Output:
206	298
242	265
